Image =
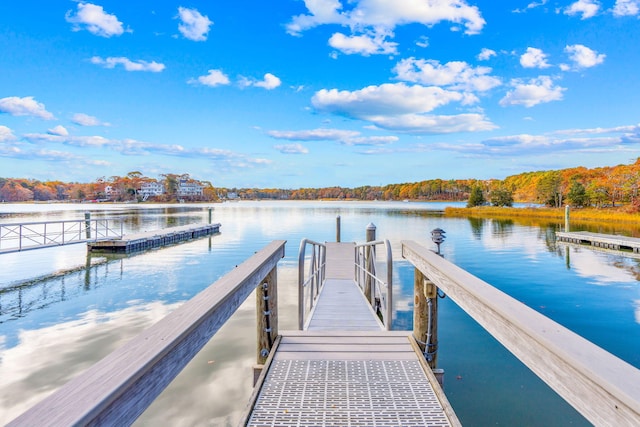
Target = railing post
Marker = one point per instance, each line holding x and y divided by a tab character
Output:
87	224
267	314
338	228
389	313
303	246
369	261
425	317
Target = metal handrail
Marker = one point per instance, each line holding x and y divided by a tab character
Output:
33	235
380	292
313	280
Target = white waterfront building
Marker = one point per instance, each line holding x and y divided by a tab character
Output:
151	188
186	188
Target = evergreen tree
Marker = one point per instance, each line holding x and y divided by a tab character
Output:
577	195
476	198
501	197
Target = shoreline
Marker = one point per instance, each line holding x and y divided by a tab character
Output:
607	215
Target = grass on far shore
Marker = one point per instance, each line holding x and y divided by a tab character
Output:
584	214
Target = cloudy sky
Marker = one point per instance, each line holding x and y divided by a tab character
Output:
316	93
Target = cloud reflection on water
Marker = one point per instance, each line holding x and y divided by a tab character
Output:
46	358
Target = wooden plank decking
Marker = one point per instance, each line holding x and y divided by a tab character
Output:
344	369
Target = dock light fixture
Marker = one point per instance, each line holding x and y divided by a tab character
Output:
438	236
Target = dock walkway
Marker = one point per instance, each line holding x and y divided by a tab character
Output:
605	241
344	369
153	239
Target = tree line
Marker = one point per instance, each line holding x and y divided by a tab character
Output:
579	187
115	188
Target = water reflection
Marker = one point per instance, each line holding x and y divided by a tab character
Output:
105	302
45	358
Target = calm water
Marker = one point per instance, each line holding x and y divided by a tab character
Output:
61	311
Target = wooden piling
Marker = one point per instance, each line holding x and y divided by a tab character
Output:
87	224
425	316
267	315
338	229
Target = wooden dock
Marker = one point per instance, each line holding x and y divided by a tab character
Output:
340	374
153	239
344	368
603	241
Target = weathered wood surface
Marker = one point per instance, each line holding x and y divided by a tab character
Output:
348	378
266	315
341	305
607	241
116	390
153	239
603	388
341	261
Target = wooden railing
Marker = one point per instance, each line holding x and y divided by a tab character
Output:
116	390
602	387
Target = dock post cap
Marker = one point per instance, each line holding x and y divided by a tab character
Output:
371	226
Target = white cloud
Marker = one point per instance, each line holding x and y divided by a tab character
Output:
385	99
291	149
94	19
213	79
26	106
381	17
534	58
584	57
6	134
530	6
314	135
269	82
132	147
434	124
588	8
456	75
423	42
403	108
486	54
193	25
580	140
366	44
535	91
626	8
59	131
87	120
128	64
346	137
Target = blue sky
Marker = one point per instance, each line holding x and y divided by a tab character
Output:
316	93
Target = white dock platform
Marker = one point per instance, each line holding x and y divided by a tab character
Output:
153	239
604	241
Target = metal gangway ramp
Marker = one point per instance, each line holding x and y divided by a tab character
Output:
344	368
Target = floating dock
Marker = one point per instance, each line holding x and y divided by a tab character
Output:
153	239
604	241
344	368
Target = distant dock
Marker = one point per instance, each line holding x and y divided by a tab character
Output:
604	241
153	239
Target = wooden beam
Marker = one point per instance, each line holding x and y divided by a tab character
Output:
117	389
602	387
